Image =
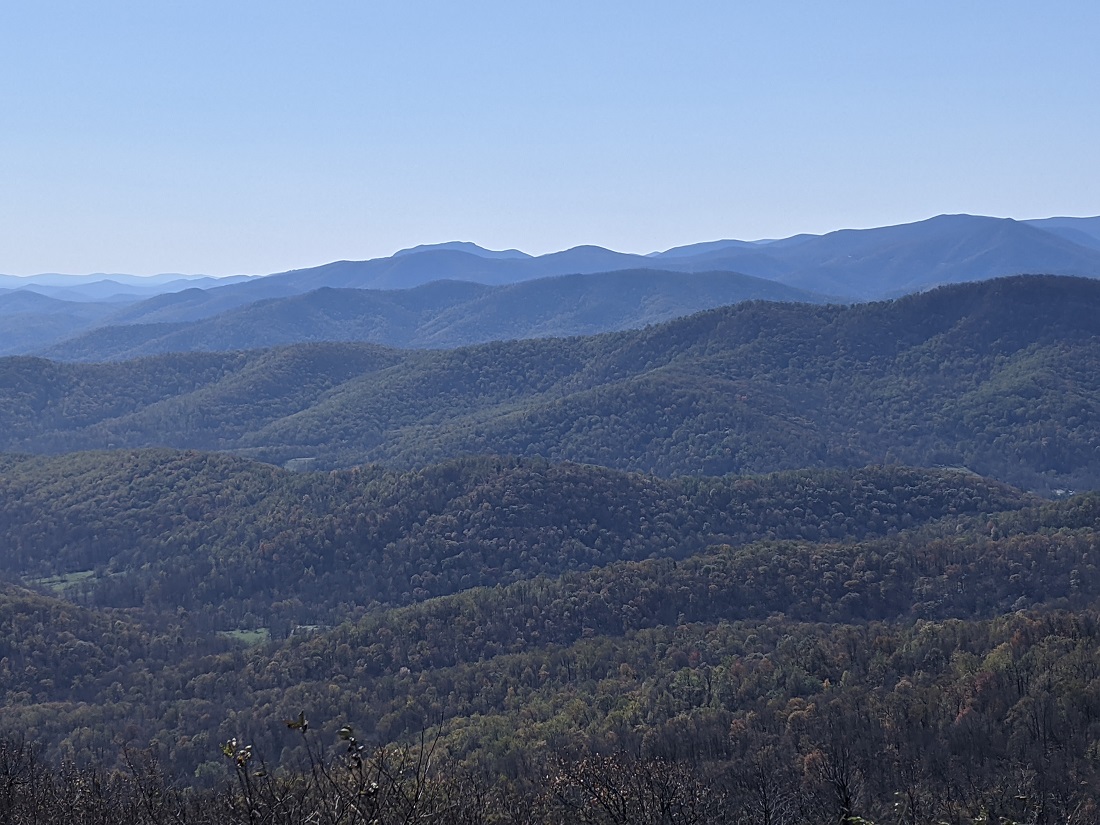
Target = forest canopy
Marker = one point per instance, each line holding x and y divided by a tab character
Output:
771	563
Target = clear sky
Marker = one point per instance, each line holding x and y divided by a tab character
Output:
249	137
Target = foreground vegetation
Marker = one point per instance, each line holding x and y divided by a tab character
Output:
893	644
955	722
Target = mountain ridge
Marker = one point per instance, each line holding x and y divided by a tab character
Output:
845	266
463	246
994	376
440	314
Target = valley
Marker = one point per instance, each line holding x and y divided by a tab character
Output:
751	550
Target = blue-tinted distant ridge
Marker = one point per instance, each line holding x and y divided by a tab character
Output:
464	246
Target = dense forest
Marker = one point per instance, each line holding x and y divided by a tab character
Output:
558	594
247	544
788	629
997	377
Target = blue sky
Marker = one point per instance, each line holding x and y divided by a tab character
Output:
250	137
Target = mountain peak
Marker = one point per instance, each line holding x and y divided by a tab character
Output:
463	246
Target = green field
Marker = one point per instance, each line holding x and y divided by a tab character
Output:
251	637
59	584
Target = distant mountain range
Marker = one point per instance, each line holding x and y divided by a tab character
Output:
457	293
436	315
113	288
865	264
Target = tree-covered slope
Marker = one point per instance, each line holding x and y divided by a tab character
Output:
53	648
441	314
909	639
998	377
244	544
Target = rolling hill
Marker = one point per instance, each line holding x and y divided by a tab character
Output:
441	314
995	376
813	619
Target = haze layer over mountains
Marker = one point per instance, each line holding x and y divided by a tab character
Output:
453	294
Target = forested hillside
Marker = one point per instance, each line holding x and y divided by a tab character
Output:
788	630
998	377
243	544
438	315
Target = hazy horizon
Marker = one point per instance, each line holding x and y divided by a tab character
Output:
262	137
196	275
